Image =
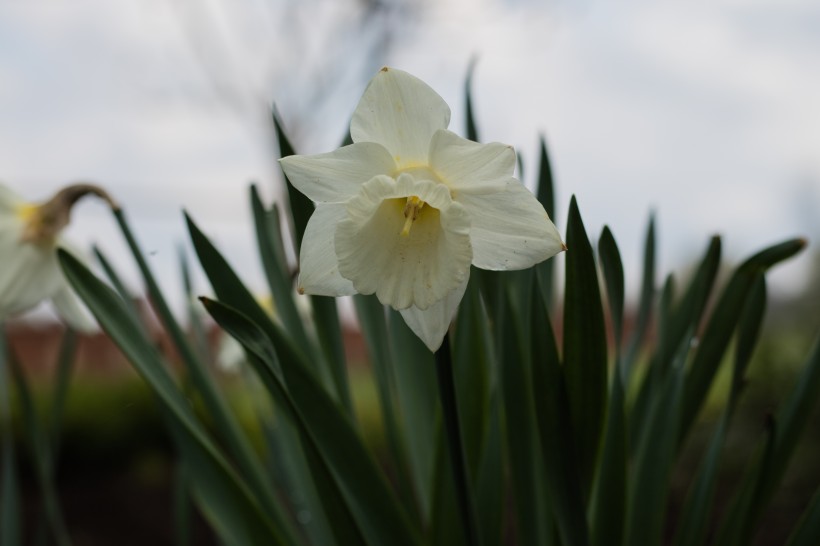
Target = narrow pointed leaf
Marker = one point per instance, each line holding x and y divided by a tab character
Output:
225	500
722	324
609	492
554	420
373	321
546	196
613	270
10	515
523	448
329	431
653	463
471	129
202	380
301	207
636	340
807	531
416	400
585	351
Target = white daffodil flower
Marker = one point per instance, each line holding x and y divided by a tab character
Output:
29	237
407	208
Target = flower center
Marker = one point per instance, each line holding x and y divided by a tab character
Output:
411	212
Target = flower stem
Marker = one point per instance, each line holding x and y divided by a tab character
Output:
452	429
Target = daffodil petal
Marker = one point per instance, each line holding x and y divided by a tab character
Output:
510	229
9	200
414	268
431	324
29	273
72	310
337	176
467	166
318	266
402	113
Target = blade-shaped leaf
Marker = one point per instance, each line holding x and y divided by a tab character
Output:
414	382
766	470
10	516
223	497
807	531
722	324
373	322
202	380
328	430
471	129
523	448
546	196
692	525
636	340
554	420
301	207
613	270
585	349
655	456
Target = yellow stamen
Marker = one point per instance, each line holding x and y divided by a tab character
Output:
411	212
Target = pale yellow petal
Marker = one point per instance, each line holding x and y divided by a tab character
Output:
467	166
337	176
318	266
509	229
400	112
29	272
403	270
431	324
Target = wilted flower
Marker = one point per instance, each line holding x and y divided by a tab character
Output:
407	208
29	237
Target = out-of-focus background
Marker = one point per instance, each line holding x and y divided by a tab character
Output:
707	114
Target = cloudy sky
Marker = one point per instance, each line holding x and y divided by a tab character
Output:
707	113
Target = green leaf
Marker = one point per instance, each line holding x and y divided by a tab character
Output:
585	346
490	492
807	531
613	270
372	319
739	525
414	384
609	492
224	421
455	447
655	456
326	320
473	368
748	332
722	324
225	500
554	421
300	206
38	439
229	288
269	243
471	129
546	196
523	448
10	516
116	282
688	314
65	366
197	334
653	379
692	526
327	429
636	340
